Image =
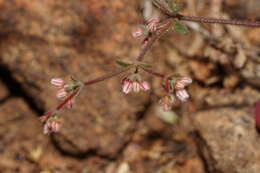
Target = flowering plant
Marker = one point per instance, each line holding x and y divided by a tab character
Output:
154	29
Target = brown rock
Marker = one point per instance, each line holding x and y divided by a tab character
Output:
52	39
21	135
228	140
3	91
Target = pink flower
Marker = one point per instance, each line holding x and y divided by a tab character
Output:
61	93
145	86
51	126
127	86
167	102
183	82
70	104
132	83
182	95
152	24
137	33
57	82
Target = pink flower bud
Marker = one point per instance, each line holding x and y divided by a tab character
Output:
152	24
51	126
145	86
183	82
182	95
144	43
136	87
127	86
70	104
58	82
167	102
137	33
61	93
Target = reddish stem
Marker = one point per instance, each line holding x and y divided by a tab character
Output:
219	21
157	74
64	102
164	7
102	78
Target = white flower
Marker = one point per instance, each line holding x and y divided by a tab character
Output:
182	95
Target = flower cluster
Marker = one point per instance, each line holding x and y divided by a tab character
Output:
151	27
145	31
134	83
64	89
67	93
176	91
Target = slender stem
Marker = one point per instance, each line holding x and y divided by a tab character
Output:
219	21
102	78
157	74
164	7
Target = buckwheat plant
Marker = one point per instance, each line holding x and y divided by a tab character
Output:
153	30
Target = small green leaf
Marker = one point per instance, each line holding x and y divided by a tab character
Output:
145	65
176	7
172	84
122	63
179	27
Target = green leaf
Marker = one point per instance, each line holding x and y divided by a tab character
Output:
122	63
145	65
176	7
172	84
179	27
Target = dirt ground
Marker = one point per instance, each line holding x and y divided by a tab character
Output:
107	131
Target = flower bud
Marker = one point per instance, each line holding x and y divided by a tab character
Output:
152	24
145	86
167	102
61	93
137	33
136	87
127	86
183	82
51	126
58	82
182	95
70	104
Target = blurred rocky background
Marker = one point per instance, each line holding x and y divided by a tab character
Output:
108	132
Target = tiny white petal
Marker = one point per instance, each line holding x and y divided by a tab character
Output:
136	87
182	95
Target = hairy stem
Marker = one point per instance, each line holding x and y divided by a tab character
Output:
102	78
219	21
157	74
164	7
